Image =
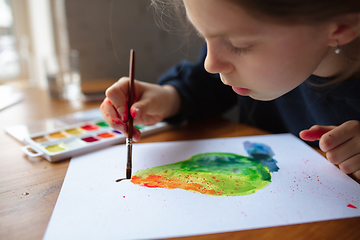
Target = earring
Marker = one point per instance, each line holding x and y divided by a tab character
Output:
338	49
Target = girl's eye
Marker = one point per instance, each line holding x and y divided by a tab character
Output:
239	50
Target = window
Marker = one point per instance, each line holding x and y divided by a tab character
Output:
9	57
29	39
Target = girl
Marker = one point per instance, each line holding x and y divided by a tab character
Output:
290	65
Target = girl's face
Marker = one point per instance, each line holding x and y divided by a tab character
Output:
260	59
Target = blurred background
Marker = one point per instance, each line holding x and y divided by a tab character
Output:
100	31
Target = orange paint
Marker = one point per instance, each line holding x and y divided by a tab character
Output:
106	135
57	135
155	181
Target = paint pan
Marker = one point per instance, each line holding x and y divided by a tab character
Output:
90	139
102	124
74	131
58	135
107	135
56	148
90	127
79	138
40	139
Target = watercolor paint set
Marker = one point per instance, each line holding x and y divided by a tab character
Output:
72	135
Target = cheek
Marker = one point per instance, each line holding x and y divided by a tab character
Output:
276	70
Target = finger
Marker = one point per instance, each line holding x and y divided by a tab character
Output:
339	135
142	113
315	132
146	118
117	94
350	165
344	151
357	174
136	134
143	105
146	111
111	116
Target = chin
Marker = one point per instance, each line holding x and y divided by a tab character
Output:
263	97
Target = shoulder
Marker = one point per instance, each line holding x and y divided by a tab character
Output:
323	86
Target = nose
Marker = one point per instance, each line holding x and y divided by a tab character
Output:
215	61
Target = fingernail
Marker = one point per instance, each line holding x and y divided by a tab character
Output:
134	112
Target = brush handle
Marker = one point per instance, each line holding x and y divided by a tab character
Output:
130	120
131	92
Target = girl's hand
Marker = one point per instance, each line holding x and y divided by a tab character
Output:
341	144
152	103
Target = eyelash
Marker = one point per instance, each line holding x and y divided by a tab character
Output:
239	51
233	49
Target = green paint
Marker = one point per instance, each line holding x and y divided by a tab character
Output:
216	174
140	127
102	124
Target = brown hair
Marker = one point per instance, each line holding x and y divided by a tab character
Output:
288	12
300	11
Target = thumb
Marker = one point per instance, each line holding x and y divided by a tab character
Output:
315	132
139	109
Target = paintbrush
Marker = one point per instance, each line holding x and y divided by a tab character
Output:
130	120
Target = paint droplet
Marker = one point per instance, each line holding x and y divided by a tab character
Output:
25	193
351	206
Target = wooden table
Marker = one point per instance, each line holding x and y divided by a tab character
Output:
26	216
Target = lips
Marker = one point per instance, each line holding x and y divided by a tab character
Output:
238	90
241	91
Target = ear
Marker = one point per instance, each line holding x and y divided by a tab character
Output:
344	29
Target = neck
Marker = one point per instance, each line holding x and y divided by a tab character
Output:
334	65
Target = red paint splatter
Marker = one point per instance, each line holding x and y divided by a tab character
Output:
351	206
117	121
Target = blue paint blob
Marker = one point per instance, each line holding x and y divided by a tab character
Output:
263	153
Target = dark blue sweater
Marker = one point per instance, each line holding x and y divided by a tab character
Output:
204	95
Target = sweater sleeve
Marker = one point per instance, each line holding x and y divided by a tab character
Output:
203	94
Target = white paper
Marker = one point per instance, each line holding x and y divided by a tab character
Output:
91	205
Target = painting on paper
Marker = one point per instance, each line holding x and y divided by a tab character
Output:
215	174
199	187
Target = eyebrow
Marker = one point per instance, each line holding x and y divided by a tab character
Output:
199	34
